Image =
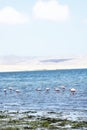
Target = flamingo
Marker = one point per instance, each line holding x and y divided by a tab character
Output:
5	90
10	88
57	89
63	87
38	89
17	91
73	90
47	89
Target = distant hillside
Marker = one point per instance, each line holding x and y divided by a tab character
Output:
17	63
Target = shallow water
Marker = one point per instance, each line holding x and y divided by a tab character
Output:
71	106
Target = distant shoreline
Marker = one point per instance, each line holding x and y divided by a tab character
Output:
15	68
14	64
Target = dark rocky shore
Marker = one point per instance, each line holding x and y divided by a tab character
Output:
33	120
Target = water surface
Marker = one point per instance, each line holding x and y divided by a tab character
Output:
28	98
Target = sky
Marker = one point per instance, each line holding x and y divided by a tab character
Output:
43	27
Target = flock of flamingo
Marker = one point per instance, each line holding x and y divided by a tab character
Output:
72	90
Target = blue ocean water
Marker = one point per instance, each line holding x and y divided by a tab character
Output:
28	98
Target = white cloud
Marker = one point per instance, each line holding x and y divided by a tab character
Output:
9	15
50	10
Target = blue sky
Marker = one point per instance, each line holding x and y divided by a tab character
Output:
43	27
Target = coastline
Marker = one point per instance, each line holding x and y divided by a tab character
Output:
34	120
11	64
18	68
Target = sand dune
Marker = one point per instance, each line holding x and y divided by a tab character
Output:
41	63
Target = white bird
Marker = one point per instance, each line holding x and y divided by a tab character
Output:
63	87
10	88
38	89
73	90
57	89
47	89
17	91
5	90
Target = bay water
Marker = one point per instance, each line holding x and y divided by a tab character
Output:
24	91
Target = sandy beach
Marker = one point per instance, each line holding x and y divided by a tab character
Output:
43	64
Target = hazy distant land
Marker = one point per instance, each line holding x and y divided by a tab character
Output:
17	63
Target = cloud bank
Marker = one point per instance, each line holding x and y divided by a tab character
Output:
46	10
50	10
9	15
